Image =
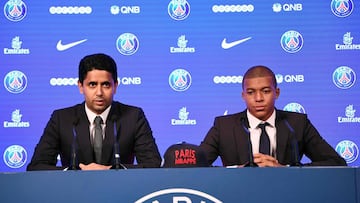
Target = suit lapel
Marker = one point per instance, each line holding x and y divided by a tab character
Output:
108	142
83	136
282	136
242	138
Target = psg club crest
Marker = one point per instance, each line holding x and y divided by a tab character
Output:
294	107
347	150
180	80
344	77
291	41
179	9
15	156
127	44
342	8
15	10
15	82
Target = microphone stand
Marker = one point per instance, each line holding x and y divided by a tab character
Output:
251	162
294	146
74	165
117	161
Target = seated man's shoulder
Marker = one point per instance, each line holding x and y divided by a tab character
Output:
291	114
118	106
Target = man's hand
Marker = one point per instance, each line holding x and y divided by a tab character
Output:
263	160
93	166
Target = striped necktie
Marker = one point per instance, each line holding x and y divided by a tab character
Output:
98	139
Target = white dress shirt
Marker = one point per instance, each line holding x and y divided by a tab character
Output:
91	116
255	132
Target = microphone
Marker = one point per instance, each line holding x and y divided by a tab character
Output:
117	161
251	162
294	146
74	165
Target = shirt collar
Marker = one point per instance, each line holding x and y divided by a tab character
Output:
91	115
254	122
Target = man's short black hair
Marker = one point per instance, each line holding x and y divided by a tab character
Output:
98	61
259	71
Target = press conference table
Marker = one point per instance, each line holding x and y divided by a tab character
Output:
328	184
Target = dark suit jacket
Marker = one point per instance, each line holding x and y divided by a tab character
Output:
133	133
229	140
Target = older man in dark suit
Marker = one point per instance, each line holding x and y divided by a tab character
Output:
73	132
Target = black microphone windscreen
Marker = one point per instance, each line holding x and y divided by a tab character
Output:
114	117
76	121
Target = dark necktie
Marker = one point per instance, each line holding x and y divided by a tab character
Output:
98	139
264	140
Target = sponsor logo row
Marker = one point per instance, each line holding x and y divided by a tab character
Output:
180	79
177	9
183	117
128	44
279	79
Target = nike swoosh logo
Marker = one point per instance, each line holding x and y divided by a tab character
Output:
226	45
63	47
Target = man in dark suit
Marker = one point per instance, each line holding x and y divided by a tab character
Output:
72	129
240	141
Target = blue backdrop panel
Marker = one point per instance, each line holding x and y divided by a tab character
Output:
312	46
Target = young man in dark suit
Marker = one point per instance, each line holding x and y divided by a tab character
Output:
288	137
72	129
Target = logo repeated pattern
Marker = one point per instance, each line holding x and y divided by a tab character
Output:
189	67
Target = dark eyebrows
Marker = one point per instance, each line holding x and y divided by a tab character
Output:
102	83
270	86
263	88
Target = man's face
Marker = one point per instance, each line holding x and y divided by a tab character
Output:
260	94
98	89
